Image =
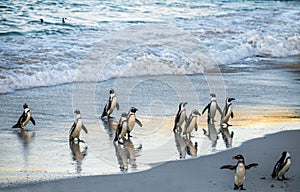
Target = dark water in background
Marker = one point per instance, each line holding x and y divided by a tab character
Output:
34	54
245	49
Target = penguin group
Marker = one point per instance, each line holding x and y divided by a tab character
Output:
182	125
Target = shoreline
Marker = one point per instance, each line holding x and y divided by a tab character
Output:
191	174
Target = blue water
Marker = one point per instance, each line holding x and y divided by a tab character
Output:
34	54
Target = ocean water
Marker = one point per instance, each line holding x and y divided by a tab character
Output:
115	36
155	54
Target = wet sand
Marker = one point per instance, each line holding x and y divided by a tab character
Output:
198	173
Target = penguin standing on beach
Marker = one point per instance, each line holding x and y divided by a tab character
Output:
111	104
240	171
282	166
227	111
212	108
122	128
24	118
180	117
131	120
191	123
76	128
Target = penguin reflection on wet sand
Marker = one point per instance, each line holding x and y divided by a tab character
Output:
185	146
180	116
240	171
122	128
282	166
191	123
76	128
212	108
226	135
77	154
126	154
227	111
131	120
24	118
212	134
111	104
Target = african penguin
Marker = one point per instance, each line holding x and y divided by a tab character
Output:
212	108
191	123
76	128
282	166
227	111
131	120
180	117
122	128
240	171
111	104
24	118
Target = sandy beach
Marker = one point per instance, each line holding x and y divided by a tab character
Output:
196	174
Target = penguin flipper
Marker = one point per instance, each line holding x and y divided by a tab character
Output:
196	127
84	129
231	115
231	167
219	109
207	106
117	106
251	165
17	125
32	120
104	113
72	128
138	122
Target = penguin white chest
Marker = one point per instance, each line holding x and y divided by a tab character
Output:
77	129
285	167
226	116
113	105
239	177
27	119
131	122
124	129
192	124
182	117
213	108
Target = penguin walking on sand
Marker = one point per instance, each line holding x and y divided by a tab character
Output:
212	108
122	128
240	171
24	118
111	104
180	117
76	128
131	120
227	111
282	166
191	123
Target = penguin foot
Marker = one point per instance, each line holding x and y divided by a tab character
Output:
285	178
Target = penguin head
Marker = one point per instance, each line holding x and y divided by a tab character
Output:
111	91
195	112
63	20
238	157
182	105
25	106
77	111
133	109
42	20
230	99
285	154
213	95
